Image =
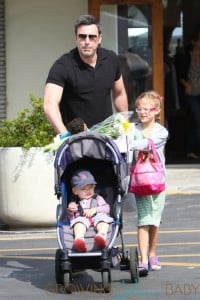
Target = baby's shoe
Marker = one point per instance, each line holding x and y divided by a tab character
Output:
100	240
80	245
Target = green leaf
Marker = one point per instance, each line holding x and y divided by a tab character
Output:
29	129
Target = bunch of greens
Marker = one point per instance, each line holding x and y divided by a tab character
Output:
114	126
29	129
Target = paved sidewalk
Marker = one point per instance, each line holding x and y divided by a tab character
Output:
183	179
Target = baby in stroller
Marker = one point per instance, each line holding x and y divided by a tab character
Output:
88	209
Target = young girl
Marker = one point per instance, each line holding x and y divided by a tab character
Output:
90	209
150	208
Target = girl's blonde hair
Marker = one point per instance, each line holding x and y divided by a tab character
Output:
153	97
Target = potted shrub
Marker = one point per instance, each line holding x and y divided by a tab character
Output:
27	174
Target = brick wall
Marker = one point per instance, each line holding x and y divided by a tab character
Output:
2	62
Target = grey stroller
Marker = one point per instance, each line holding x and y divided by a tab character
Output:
100	155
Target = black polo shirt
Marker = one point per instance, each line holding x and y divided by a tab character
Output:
86	90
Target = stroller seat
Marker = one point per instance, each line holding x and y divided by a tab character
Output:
66	233
89	238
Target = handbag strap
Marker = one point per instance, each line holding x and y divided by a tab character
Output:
153	149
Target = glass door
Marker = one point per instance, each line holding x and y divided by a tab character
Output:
133	29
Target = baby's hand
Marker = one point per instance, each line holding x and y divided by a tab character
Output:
90	212
73	207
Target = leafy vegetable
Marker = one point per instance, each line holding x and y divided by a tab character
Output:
114	126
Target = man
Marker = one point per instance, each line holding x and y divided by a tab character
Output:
80	82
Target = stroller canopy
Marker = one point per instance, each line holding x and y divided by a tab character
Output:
90	145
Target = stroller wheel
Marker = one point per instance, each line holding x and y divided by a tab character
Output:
134	265
106	281
67	283
58	269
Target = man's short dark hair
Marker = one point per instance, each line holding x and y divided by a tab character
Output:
86	20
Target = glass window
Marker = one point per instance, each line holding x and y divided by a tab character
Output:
127	31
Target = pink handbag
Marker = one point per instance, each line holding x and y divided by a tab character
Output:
147	175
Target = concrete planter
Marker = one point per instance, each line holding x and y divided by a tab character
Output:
27	188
